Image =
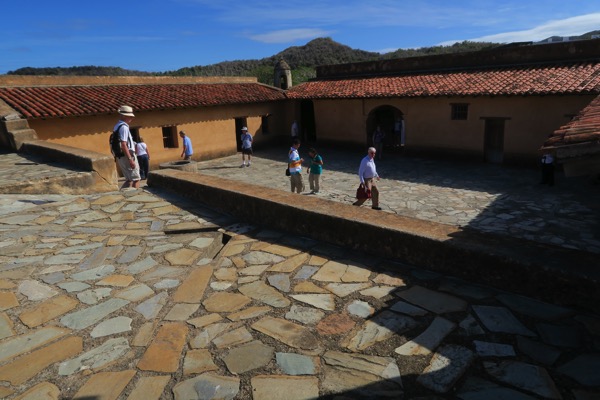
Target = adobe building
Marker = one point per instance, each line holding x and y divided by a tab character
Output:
497	106
82	111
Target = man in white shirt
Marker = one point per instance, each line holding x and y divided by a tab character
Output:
367	172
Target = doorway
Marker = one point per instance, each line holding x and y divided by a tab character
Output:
385	117
493	143
308	126
239	124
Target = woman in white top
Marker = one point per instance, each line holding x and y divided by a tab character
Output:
143	156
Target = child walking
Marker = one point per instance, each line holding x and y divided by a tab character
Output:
314	170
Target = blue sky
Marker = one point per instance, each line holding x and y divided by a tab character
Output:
164	35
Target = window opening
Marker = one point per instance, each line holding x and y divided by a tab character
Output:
169	134
460	111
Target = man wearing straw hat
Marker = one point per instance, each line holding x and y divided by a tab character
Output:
128	161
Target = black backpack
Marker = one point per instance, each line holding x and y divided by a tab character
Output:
115	143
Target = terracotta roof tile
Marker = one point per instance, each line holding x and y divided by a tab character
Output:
584	129
578	78
66	101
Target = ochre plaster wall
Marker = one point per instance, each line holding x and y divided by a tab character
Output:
528	122
212	129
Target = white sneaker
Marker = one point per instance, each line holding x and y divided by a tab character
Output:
243	165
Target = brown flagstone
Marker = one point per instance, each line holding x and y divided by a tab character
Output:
182	257
225	302
335	324
144	334
105	385
198	362
5	392
165	350
276	387
308	287
205	320
6	326
149	388
280	250
41	391
116	280
250	312
292	334
48	310
26	367
193	287
289	264
8	300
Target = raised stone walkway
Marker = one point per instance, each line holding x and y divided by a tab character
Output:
143	295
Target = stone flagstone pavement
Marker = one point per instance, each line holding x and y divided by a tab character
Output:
137	295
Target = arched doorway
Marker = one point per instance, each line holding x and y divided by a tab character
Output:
385	117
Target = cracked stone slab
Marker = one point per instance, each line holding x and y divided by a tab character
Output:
500	319
292	334
207	386
362	375
381	327
446	367
528	377
429	340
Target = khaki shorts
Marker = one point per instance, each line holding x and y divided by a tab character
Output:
130	174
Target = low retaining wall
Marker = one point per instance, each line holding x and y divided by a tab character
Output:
550	273
101	166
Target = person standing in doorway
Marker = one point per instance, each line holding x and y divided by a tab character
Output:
143	156
399	132
314	170
187	152
367	173
295	167
378	137
246	139
295	130
547	167
128	162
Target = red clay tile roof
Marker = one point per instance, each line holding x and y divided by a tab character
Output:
67	101
582	130
577	78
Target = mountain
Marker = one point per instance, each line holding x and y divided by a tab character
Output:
301	59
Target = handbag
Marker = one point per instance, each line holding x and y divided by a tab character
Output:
361	193
287	171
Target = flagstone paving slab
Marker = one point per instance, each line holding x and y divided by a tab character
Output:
287	332
428	340
207	386
432	300
193	287
275	387
528	377
248	356
48	310
163	353
447	366
26	367
96	358
149	388
25	343
105	385
361	376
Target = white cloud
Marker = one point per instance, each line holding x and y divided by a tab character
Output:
573	26
289	35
